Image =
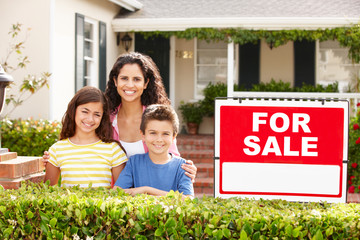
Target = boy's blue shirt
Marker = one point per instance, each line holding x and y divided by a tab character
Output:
141	171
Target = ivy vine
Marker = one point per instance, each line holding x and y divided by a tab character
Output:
347	36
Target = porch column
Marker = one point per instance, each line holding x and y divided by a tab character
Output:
230	69
172	71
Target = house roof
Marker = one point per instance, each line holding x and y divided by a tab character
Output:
175	15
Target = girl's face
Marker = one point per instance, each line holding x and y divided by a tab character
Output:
130	83
88	117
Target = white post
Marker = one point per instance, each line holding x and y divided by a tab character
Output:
172	71
230	69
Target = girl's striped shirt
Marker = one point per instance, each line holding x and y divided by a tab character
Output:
85	164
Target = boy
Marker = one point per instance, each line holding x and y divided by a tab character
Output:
156	172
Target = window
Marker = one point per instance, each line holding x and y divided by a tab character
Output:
333	65
90	55
210	64
90	59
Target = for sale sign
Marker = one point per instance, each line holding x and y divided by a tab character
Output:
294	150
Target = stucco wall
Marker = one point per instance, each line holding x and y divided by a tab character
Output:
34	15
184	74
63	87
51	45
277	63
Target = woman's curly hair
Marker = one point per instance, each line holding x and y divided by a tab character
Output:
154	92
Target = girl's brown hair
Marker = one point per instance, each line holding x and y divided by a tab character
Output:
154	92
83	96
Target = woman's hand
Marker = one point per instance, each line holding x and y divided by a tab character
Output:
46	158
190	170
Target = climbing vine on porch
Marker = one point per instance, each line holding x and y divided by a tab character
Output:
347	36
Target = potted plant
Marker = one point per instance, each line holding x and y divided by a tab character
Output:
192	114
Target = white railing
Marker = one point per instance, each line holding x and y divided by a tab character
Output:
353	98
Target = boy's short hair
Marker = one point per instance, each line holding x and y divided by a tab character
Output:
160	112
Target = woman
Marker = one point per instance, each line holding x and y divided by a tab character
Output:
134	83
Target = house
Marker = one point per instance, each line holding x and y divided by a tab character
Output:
188	64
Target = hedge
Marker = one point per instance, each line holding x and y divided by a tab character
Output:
50	212
29	137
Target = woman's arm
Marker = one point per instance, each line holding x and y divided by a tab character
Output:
190	168
52	173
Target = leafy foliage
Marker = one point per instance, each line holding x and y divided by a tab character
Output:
29	137
354	154
347	36
191	112
212	91
31	82
219	89
50	212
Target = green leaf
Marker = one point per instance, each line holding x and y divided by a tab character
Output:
170	223
288	230
159	232
74	230
77	212
28	228
44	228
226	232
243	235
329	231
318	235
29	215
178	210
53	222
2	209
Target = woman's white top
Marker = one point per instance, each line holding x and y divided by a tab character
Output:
133	148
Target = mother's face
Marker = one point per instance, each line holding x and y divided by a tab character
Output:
130	83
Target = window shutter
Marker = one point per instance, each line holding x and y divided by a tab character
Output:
249	64
79	51
304	53
102	56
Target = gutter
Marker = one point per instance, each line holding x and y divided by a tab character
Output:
264	23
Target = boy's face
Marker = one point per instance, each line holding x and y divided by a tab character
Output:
158	136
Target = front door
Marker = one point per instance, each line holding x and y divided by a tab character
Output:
158	48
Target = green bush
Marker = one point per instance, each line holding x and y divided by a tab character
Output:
354	154
29	137
191	112
50	212
212	91
219	89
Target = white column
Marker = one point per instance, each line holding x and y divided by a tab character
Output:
172	71
230	69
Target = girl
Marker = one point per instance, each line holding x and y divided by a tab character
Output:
135	83
86	152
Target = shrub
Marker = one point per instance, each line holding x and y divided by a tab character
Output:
29	137
220	90
191	112
354	154
50	212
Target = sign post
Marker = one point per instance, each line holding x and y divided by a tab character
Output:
281	149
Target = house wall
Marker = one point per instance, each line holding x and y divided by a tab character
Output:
51	47
277	63
63	86
31	15
184	74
